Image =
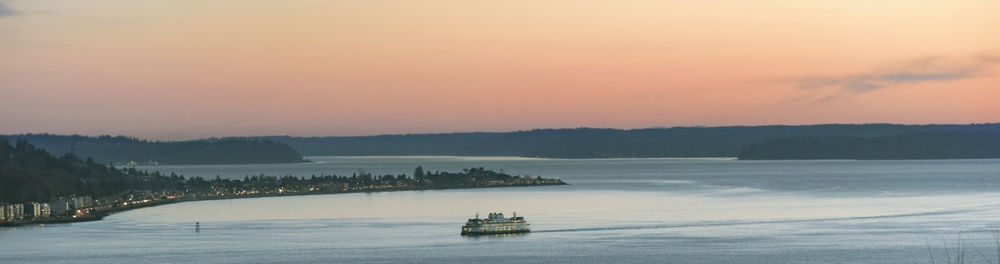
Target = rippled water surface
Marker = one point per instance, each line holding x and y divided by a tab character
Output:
615	210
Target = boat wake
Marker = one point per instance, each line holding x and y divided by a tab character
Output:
760	222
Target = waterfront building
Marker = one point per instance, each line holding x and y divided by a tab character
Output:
80	202
18	211
46	210
60	206
106	201
8	212
33	210
3	212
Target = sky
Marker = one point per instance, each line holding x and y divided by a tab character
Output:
184	69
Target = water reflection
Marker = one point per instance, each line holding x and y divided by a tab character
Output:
623	210
494	236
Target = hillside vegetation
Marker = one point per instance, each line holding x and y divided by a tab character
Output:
926	145
604	143
31	174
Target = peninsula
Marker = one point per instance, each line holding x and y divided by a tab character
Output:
36	187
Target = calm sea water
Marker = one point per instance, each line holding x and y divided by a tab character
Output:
616	210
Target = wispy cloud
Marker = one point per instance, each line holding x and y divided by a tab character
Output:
989	58
5	10
918	70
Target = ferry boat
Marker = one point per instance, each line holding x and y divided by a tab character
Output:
495	223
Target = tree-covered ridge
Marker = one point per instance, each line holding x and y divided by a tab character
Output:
924	145
31	174
598	143
121	150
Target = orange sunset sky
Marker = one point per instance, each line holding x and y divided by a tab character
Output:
181	69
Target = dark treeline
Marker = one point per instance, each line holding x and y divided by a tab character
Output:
924	145
120	149
468	177
28	173
598	143
31	174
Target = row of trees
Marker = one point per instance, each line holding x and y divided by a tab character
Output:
467	177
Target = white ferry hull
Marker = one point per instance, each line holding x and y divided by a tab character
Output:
496	224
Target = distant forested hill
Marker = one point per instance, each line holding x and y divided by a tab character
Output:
744	141
599	143
107	149
924	145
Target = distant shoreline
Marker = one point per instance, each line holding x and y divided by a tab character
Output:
722	141
510	157
763	142
99	214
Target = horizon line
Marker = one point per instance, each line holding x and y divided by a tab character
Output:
496	132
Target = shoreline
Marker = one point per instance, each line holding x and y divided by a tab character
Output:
98	214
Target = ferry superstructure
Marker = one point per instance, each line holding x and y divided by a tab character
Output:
496	223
